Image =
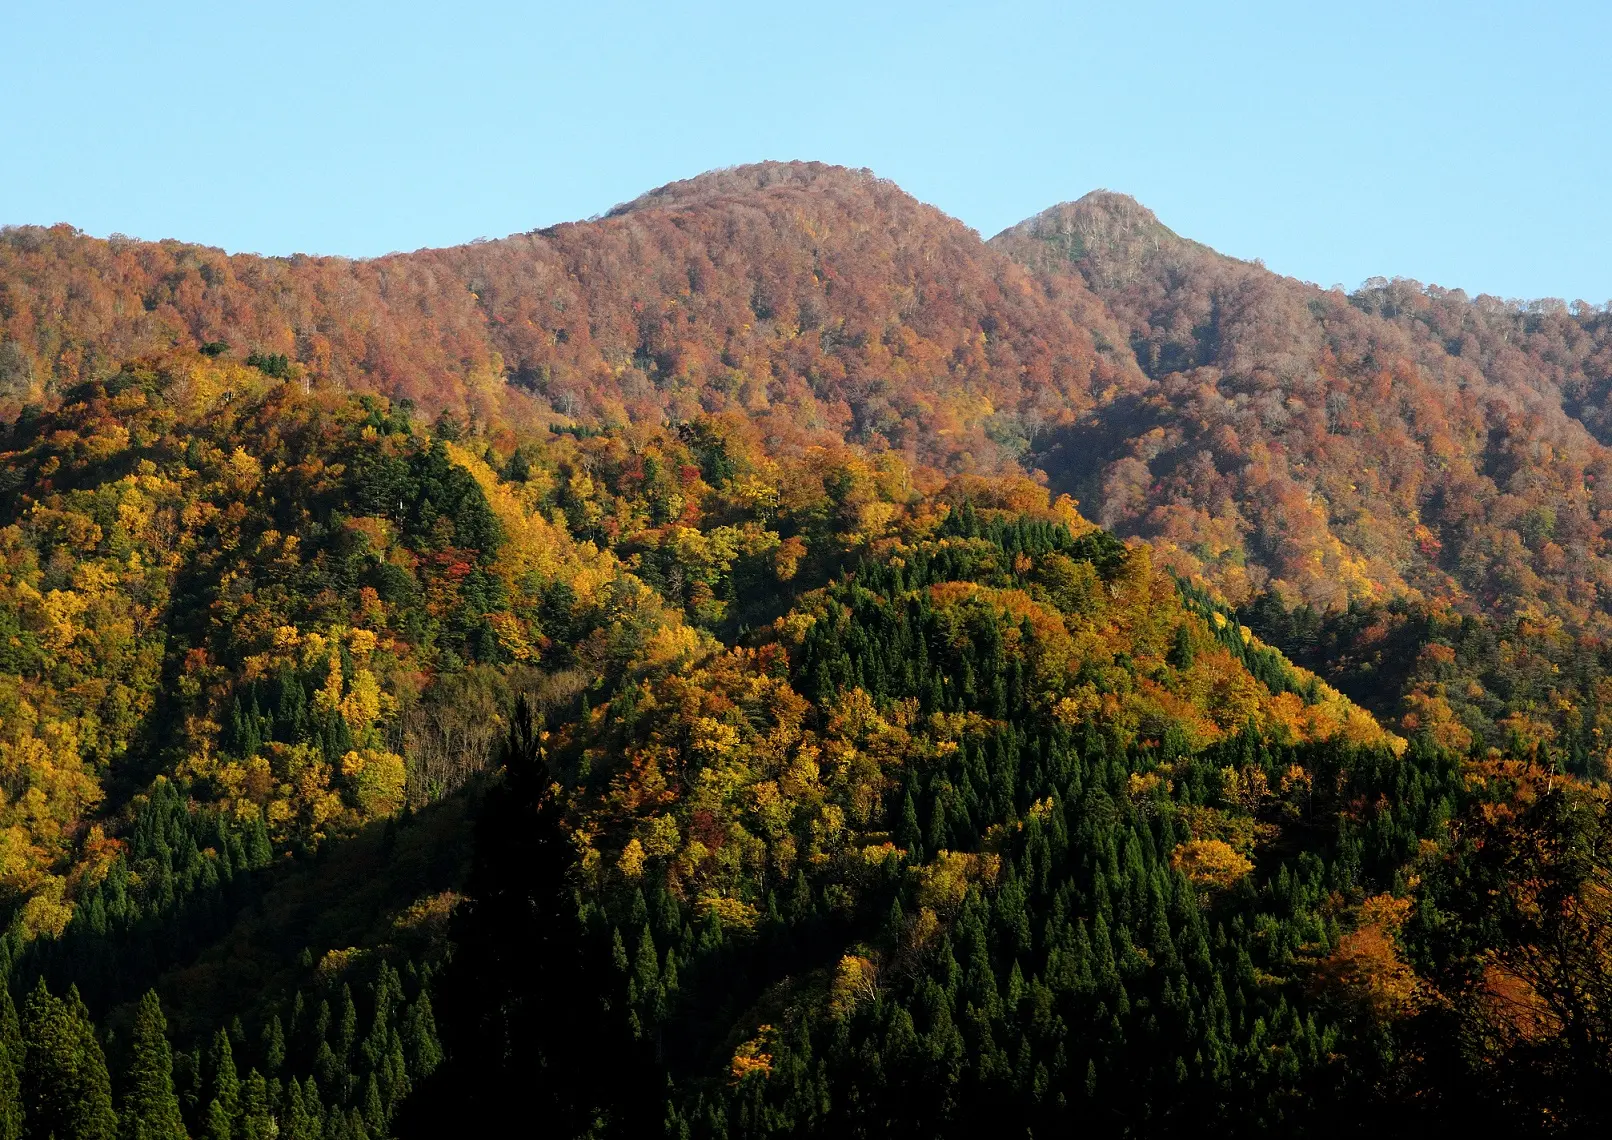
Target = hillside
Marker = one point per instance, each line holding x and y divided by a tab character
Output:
1268	435
647	675
1265	434
1408	453
1334	447
248	625
821	301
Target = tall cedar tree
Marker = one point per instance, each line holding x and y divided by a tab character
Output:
66	1090
150	1108
526	1034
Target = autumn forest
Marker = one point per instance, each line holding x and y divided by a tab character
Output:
766	662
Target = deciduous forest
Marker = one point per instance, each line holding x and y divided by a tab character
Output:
767	662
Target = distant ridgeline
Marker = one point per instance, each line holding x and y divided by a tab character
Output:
839	797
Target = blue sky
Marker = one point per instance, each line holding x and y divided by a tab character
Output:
1462	144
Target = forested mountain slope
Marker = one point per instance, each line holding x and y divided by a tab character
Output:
258	636
1369	473
1265	434
818	300
643	675
1336	447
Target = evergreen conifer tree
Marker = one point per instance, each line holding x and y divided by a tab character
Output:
296	1122
150	1108
274	1044
225	1086
522	1023
420	1045
256	1122
66	1090
220	1125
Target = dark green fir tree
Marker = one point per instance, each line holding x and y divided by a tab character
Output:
150	1107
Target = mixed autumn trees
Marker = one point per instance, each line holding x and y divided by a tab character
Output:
1399	445
796	702
850	781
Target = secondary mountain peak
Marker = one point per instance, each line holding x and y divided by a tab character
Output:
1107	236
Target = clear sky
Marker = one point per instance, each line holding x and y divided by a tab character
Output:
1462	144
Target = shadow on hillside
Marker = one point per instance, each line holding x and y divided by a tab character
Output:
1074	457
357	892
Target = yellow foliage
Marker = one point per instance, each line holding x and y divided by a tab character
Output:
1430	713
1210	863
856	982
377	779
631	863
1367	967
663	838
47	912
335	963
753	1057
730	912
512	637
245	471
786	559
329	695
944	882
675	645
362	705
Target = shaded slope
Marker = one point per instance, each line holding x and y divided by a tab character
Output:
1335	448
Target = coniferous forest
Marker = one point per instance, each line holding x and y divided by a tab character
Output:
766	662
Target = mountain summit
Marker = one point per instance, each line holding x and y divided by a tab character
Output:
823	301
1107	236
749	179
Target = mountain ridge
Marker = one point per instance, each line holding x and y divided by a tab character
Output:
1398	445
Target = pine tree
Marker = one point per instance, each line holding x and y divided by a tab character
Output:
298	1122
908	836
313	1105
220	1123
274	1044
224	1105
66	1090
420	1043
374	1112
256	1123
150	1108
346	1026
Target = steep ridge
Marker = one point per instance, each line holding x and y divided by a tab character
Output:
823	301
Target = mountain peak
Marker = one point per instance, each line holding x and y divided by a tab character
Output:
738	181
1106	235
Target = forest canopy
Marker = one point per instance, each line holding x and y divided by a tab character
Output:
767	662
